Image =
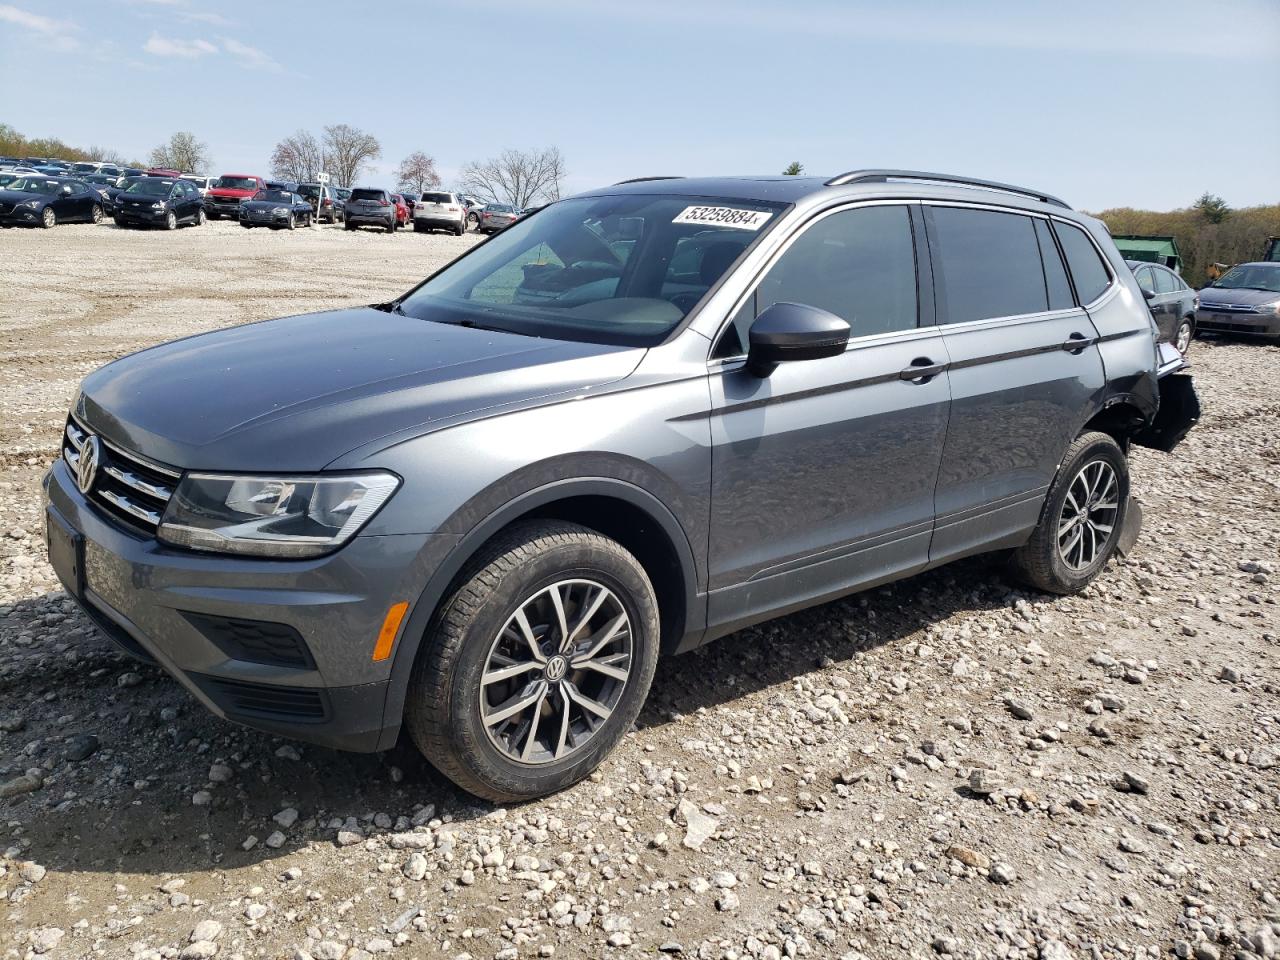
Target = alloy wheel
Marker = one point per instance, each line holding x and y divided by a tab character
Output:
96	215
48	218
1087	522
555	672
1183	340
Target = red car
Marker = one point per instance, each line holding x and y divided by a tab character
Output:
223	198
403	216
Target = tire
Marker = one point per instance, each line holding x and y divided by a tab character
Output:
517	573
215	216
391	227
120	222
1183	336
459	230
348	225
1052	565
417	227
293	221
95	215
200	218
171	221
247	226
473	222
48	219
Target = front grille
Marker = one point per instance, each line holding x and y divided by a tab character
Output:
256	641
1227	307
268	701
127	487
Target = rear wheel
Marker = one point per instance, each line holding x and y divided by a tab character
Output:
535	666
48	218
391	227
460	229
1186	333
1081	519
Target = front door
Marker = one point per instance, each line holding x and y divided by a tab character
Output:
823	473
1024	368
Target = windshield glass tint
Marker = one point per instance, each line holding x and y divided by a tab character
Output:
368	195
622	270
40	185
499	208
274	196
236	183
149	187
436	198
1254	276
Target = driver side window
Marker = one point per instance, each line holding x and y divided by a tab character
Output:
858	264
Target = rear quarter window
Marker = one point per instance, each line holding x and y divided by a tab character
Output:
1089	273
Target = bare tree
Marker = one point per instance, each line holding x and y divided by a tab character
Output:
298	157
417	173
517	177
183	152
349	149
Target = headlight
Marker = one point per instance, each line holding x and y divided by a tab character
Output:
283	517
1271	309
31	203
157	205
281	211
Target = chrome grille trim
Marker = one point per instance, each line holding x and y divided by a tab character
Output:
129	487
149	517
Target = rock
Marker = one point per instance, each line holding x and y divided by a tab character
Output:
724	879
201	798
30	871
1002	873
129	679
1019	708
1054	950
984	782
275	840
727	902
415	868
1230	675
199	950
255	911
206	930
1134	783
80	748
286	817
699	827
379	945
1204	950
970	858
26	783
46	939
670	946
220	773
328	950
348	838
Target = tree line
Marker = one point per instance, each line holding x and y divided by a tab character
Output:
14	144
1208	232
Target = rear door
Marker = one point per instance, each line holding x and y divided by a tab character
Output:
1024	370
823	473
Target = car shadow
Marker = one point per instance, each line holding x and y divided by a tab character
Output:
130	806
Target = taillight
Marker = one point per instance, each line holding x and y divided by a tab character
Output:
384	203
328	203
452	209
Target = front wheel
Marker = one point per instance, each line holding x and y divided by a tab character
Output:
534	668
1081	519
1186	333
200	218
48	219
171	221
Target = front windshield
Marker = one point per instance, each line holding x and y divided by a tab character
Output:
41	185
149	187
274	196
1252	276
620	269
236	183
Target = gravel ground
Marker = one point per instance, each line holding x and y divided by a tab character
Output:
947	766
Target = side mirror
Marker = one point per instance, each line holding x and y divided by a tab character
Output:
66	190
794	331
1147	294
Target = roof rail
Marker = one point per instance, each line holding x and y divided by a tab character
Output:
645	179
884	176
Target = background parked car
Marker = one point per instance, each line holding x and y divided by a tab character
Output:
402	210
1244	300
46	201
496	216
474	205
371	207
1173	304
159	202
202	183
162	172
277	209
323	202
223	198
440	211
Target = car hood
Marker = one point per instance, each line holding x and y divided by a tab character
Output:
1249	298
264	204
295	394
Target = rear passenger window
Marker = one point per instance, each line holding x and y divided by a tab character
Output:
1087	269
1055	274
1165	281
989	264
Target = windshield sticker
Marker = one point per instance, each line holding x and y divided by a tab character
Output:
724	217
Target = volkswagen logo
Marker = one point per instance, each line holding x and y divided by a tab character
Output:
87	467
557	667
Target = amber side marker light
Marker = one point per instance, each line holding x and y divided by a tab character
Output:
390	627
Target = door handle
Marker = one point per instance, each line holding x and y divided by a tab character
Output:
922	370
1077	342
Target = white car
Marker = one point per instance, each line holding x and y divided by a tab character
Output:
202	183
440	211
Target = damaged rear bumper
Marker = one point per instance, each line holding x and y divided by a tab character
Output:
1179	409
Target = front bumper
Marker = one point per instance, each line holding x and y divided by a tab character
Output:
222	206
1247	324
185	611
21	217
140	215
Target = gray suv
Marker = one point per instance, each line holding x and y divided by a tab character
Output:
645	418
